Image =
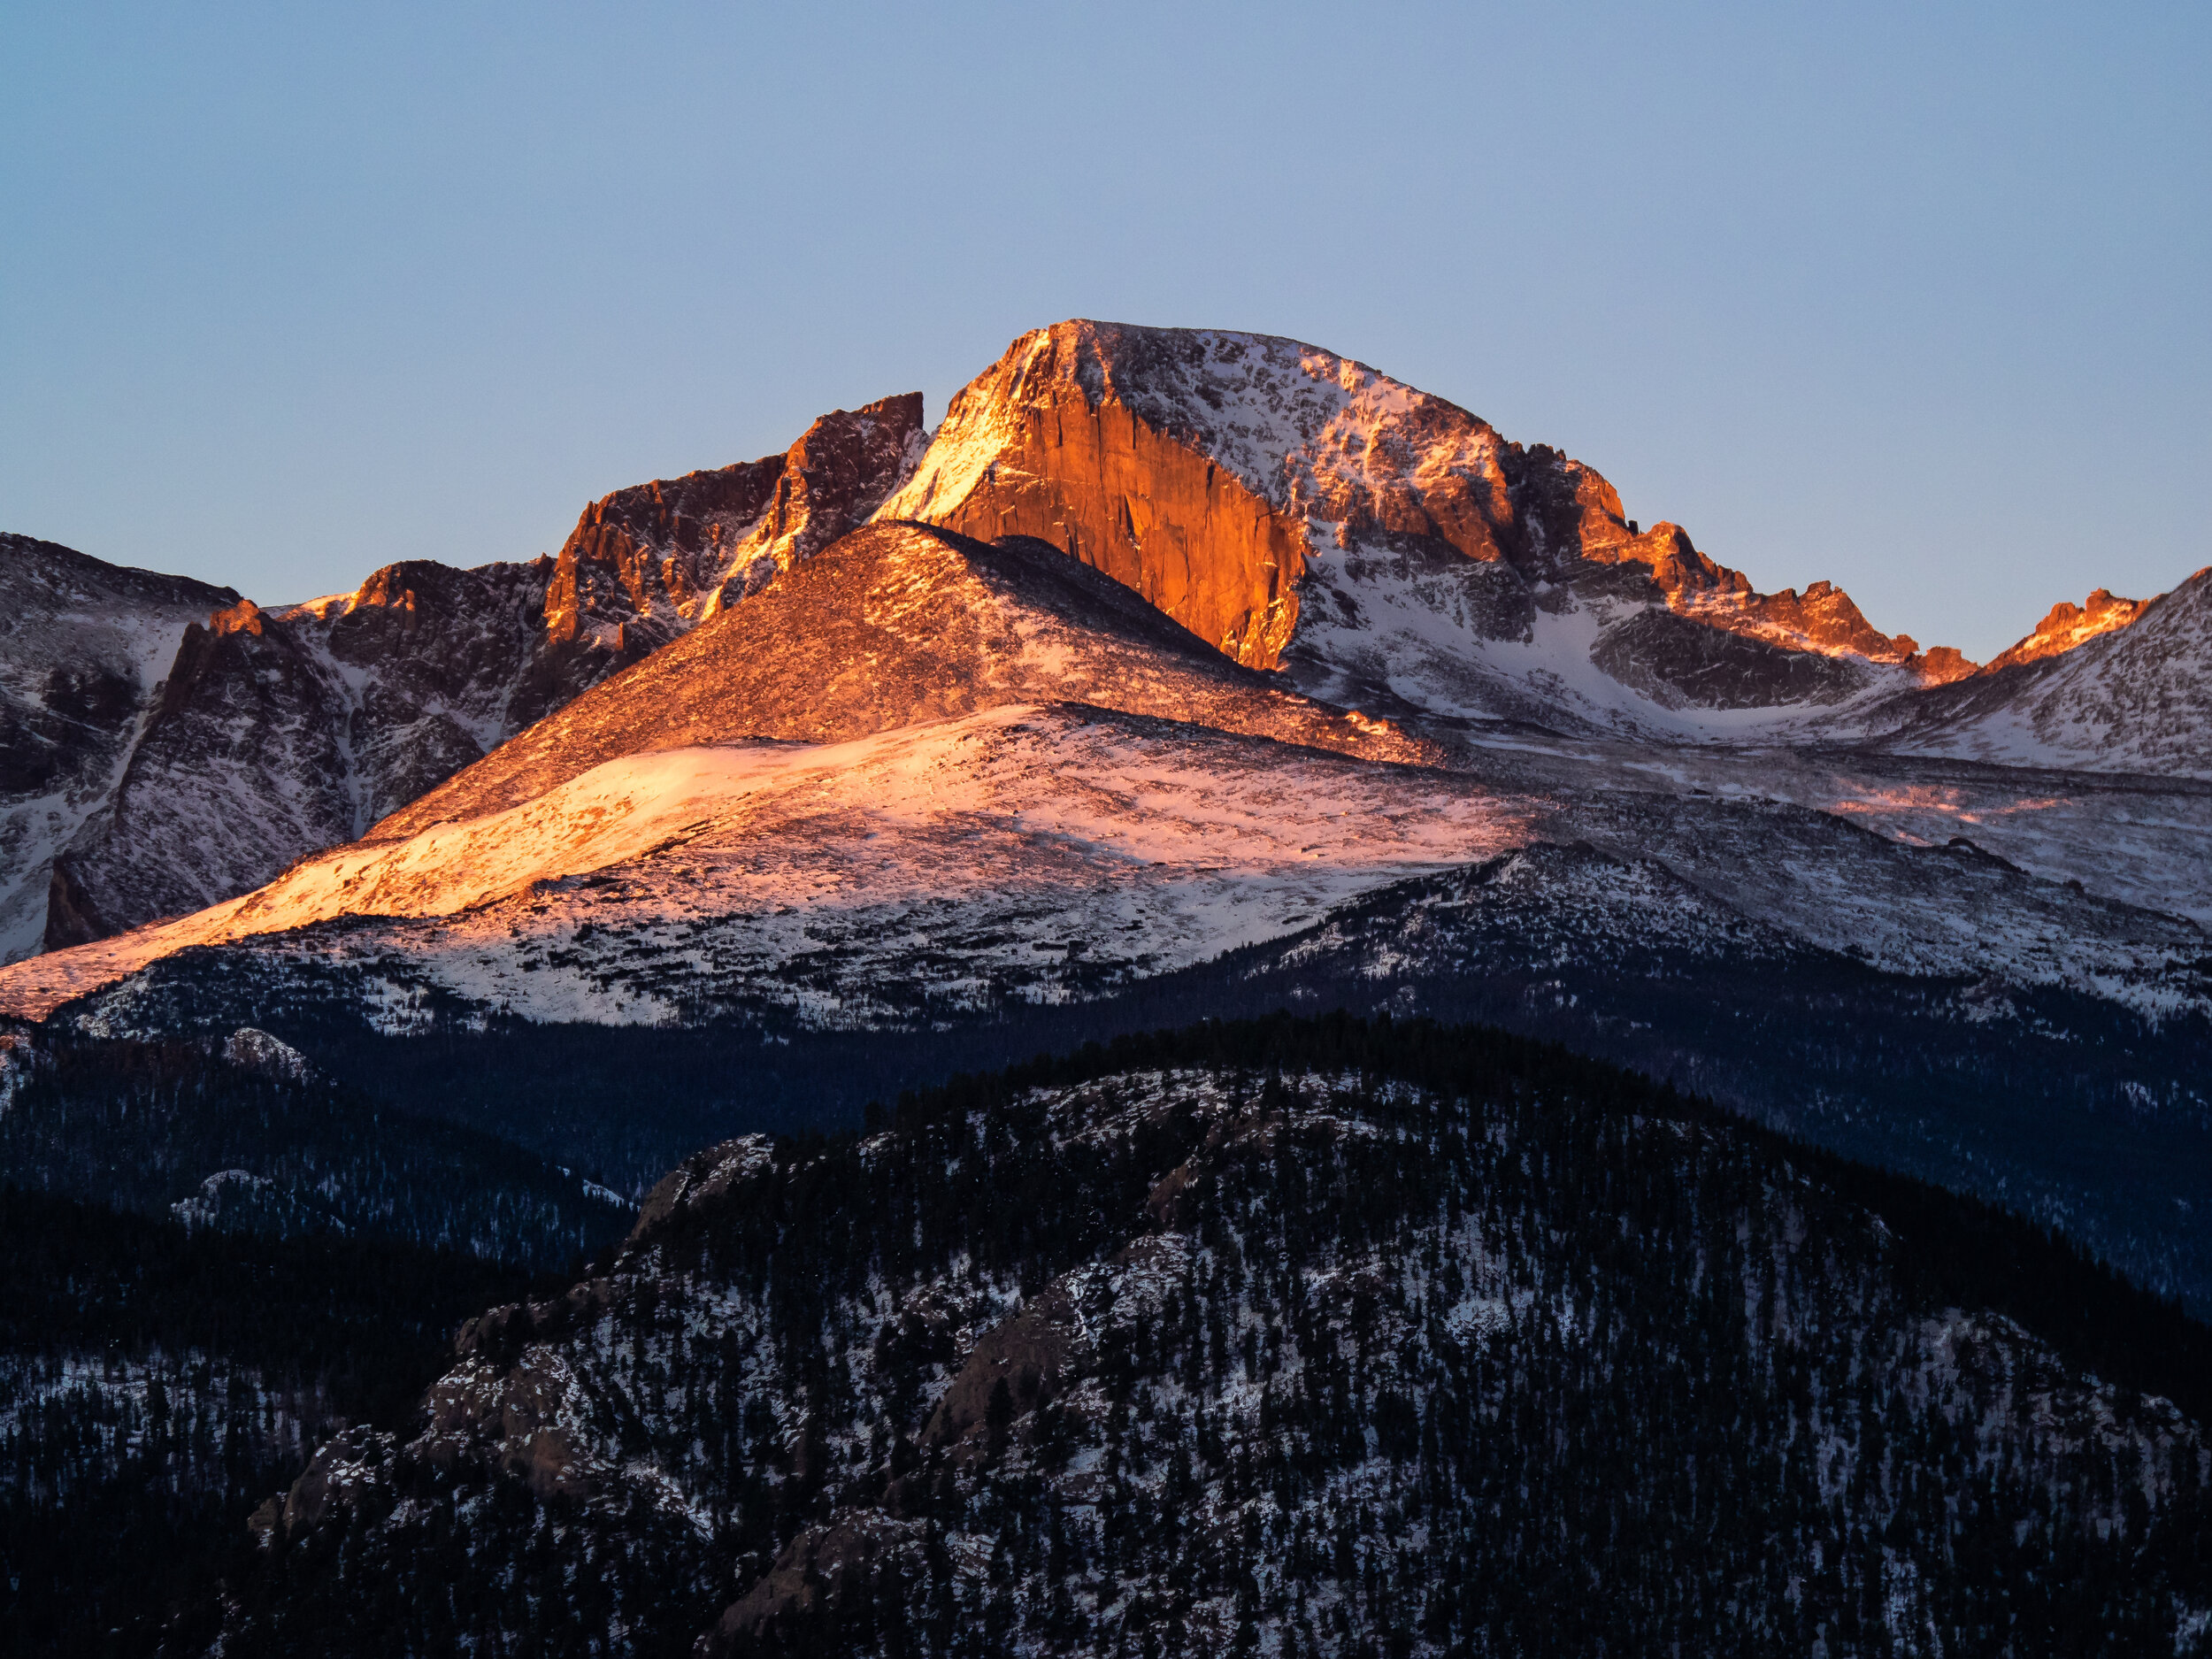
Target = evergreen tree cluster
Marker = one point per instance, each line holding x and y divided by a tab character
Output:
1299	1337
144	1125
156	1383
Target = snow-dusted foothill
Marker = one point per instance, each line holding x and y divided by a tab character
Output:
1211	1359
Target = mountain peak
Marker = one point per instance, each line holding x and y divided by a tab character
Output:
1278	499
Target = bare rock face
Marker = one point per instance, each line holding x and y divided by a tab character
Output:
280	731
1301	511
84	648
644	564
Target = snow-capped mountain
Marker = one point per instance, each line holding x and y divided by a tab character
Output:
1178	677
908	779
944	776
1021	851
278	731
1385	547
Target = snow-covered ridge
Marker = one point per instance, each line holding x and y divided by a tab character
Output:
2135	697
1170	843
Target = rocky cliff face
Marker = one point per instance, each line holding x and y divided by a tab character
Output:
84	649
1301	511
644	564
281	732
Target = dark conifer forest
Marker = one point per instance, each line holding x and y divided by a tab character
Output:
1327	1337
156	1383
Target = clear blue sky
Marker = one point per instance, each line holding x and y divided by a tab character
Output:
1915	298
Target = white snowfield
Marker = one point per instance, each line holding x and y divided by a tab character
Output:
1161	844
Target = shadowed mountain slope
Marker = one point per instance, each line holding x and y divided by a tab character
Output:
84	647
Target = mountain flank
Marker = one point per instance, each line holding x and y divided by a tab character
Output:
894	625
277	732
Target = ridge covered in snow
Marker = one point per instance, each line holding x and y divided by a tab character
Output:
1054	850
2134	696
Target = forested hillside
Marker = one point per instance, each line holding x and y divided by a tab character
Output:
255	1139
1374	1339
156	1382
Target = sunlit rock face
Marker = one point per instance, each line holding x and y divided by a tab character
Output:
2069	625
1302	511
645	563
278	731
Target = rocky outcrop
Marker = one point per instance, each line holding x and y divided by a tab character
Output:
2132	693
2068	626
1300	510
1488	1305
278	732
644	564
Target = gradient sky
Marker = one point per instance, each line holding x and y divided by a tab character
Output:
1913	298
